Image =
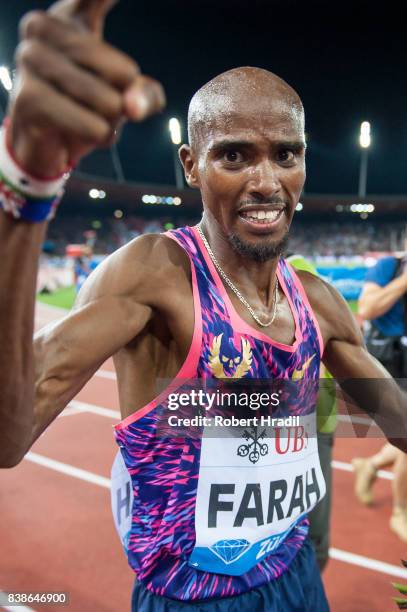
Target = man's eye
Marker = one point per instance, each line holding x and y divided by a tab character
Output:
233	157
286	155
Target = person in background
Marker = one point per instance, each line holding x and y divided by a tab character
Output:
320	516
83	266
81	272
383	303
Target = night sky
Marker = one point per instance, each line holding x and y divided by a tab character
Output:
347	61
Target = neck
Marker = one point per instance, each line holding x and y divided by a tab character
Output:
251	277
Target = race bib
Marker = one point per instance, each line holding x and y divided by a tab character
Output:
122	499
255	484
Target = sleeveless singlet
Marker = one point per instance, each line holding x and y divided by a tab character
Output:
212	514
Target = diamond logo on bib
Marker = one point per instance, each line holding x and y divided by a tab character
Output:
230	550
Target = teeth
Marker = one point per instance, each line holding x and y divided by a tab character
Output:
262	216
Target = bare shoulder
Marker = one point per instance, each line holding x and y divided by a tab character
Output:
334	316
138	269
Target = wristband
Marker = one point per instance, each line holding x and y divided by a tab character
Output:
27	208
22	195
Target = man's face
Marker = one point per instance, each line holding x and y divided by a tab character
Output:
251	170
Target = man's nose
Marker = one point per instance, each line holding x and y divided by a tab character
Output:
265	180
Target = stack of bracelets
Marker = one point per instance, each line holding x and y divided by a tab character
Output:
23	196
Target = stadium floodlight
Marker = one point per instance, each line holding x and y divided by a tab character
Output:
97	194
175	130
94	194
176	138
364	137
5	78
364	141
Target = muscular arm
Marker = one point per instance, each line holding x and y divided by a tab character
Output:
111	310
365	381
20	245
375	301
71	93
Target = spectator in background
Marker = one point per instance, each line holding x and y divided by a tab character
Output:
315	239
383	302
83	266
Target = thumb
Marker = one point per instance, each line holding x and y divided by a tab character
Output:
143	98
90	14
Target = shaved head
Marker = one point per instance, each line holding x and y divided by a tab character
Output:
246	155
234	92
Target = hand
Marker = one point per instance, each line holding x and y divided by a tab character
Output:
73	90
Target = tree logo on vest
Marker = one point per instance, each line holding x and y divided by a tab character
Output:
228	366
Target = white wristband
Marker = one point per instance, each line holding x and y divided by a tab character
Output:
22	181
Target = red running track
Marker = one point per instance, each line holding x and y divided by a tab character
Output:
57	533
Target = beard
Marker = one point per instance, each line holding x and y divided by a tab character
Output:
261	252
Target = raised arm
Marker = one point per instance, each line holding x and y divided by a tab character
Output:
71	94
20	245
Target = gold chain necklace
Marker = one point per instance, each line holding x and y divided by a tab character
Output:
235	289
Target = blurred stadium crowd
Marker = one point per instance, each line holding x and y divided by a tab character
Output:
316	239
338	239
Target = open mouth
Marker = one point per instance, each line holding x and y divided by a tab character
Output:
261	217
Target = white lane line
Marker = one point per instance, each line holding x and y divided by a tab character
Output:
69	470
71	411
348	418
99	410
335	553
106	374
19	608
348	467
366	562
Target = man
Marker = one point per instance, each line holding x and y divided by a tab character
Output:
217	524
81	270
383	303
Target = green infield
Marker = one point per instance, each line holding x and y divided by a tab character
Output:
63	298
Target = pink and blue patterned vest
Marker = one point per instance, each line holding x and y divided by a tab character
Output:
207	516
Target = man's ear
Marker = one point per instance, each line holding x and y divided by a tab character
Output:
190	166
